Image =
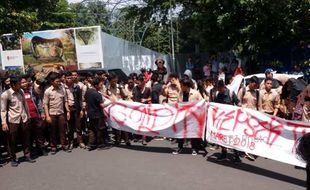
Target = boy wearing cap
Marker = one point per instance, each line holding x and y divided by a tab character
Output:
268	74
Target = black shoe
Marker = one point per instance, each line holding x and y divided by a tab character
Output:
91	148
14	163
222	157
68	150
29	159
103	147
44	152
236	159
128	143
205	153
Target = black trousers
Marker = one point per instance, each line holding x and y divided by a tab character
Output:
195	143
37	131
74	125
97	130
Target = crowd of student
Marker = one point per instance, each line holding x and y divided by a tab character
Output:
48	115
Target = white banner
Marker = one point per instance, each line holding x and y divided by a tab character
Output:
186	120
255	132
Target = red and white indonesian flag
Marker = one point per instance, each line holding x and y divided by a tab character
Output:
255	132
184	120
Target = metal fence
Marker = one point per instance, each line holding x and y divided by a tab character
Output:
128	56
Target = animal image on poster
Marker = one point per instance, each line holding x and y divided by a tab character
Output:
10	42
87	36
49	50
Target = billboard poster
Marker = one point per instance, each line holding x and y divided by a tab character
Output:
11	54
89	47
49	50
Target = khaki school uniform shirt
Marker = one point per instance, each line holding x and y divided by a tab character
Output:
14	106
173	94
249	99
268	101
55	100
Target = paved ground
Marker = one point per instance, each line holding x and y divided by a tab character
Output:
151	167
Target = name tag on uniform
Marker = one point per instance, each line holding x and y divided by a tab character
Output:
27	96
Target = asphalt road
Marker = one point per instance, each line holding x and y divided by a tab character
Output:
151	167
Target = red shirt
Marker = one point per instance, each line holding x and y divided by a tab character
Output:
32	107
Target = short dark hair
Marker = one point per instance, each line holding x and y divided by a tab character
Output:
96	81
90	74
82	78
220	84
140	77
68	74
112	76
14	80
254	79
186	82
267	79
209	79
54	76
134	75
24	77
173	75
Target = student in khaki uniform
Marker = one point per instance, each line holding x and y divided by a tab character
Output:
173	89
249	95
116	92
15	116
129	88
55	104
269	100
74	94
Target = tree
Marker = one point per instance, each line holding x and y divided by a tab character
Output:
252	28
20	16
90	13
62	16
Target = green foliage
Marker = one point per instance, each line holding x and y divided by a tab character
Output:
20	16
252	27
91	13
23	16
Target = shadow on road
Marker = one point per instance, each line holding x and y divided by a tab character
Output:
147	148
258	171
